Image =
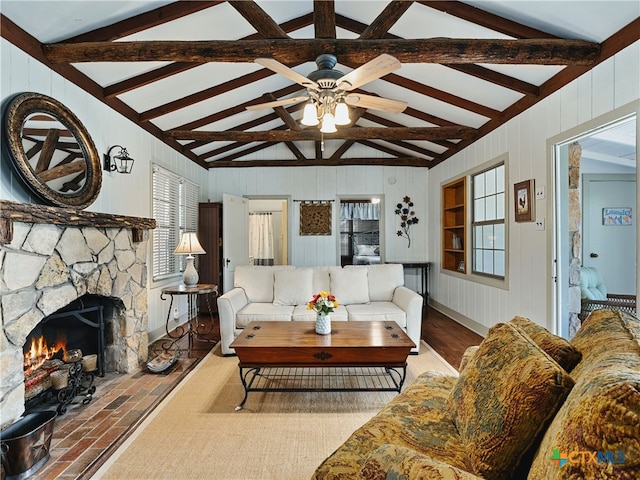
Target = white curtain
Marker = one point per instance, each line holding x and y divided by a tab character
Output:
359	211
261	238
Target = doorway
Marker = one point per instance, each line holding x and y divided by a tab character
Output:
592	170
360	235
268	243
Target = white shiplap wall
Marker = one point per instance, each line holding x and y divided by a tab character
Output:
120	194
613	84
331	183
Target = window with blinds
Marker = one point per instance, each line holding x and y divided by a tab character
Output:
175	209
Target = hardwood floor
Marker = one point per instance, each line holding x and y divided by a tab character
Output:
446	336
86	435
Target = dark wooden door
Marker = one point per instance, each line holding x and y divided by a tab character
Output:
210	234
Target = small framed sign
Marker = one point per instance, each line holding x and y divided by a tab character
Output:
616	216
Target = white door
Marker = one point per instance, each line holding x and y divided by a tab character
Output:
610	245
235	237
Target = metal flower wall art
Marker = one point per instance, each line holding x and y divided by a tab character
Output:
407	218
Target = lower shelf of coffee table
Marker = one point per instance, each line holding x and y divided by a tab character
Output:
321	379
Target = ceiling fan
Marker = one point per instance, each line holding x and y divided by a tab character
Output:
328	90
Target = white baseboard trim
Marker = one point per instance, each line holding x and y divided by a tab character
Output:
461	319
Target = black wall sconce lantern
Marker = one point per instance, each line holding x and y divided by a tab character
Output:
121	162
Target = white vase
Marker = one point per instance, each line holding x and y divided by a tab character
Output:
323	324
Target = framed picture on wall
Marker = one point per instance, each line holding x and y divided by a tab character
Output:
523	198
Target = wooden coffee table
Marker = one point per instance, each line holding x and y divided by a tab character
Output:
291	357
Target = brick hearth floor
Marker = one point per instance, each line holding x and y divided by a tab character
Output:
86	435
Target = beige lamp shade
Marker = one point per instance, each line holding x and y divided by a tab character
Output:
189	245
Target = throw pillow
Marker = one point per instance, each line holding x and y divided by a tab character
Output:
383	281
292	287
504	398
557	347
349	285
365	250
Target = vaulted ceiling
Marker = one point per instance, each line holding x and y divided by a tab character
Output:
185	71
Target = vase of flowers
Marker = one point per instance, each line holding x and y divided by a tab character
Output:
323	304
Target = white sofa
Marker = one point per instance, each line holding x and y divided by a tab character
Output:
364	292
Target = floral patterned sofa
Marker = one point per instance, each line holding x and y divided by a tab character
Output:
527	405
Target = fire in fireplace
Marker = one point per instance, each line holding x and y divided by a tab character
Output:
78	326
39	352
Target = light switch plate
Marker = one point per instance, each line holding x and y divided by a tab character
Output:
539	193
540	224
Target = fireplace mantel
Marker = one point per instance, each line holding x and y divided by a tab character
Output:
33	213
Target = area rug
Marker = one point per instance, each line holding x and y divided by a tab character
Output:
196	433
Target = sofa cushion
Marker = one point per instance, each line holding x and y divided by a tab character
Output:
557	347
263	312
383	281
292	287
601	415
321	281
349	285
393	461
417	418
504	399
301	312
378	311
257	281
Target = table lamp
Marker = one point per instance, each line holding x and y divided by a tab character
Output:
189	245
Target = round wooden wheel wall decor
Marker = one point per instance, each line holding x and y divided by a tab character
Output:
51	151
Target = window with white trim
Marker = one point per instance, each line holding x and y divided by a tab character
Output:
488	222
175	209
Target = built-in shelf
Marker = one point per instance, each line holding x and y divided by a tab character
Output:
454	210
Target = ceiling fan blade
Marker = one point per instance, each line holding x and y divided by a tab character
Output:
285	71
376	103
372	70
277	103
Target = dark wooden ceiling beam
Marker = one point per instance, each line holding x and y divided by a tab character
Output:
258	19
413	148
284	115
342	149
324	18
240	108
429	50
621	39
387	19
402	161
22	40
179	67
390	151
205	94
296	151
348	133
148	78
489	20
390	123
498	78
143	21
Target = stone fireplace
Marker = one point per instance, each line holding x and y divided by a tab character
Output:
50	257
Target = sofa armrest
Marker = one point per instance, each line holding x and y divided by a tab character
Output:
411	303
394	461
228	305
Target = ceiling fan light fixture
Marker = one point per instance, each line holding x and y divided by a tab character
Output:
328	124
310	114
342	114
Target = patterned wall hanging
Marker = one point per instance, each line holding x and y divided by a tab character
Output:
315	218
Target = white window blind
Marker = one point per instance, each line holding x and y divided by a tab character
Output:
175	209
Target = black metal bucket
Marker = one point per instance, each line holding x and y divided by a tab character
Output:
25	444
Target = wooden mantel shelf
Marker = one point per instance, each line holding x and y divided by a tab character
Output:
11	211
